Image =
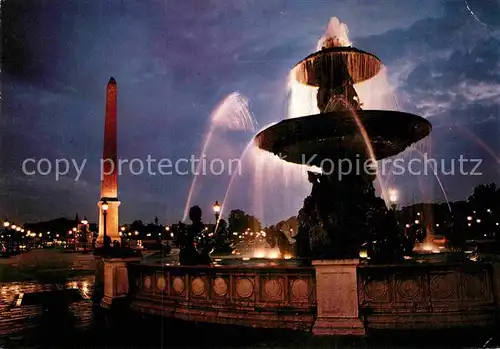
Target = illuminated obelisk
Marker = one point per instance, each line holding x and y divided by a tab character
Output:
108	218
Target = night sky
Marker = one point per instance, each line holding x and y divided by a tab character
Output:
174	61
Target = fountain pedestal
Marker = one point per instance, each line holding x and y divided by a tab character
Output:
337	298
342	213
343	141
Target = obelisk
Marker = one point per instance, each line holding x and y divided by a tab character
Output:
109	168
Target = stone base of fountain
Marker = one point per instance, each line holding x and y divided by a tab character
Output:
341	214
334	297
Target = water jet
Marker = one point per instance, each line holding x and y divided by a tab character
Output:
342	211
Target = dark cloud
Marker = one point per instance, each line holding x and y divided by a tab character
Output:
447	68
174	61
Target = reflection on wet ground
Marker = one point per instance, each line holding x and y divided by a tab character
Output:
20	309
45	295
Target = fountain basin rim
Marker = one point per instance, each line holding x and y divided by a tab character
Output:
217	267
390	132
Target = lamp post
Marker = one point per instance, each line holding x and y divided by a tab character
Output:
216	208
5	229
105	207
393	198
85	240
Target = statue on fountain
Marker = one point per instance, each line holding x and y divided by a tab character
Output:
195	245
186	238
222	241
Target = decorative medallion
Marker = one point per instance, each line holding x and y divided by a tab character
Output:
220	287
178	285
197	287
299	289
244	288
442	286
474	287
375	289
147	282
409	288
273	288
161	283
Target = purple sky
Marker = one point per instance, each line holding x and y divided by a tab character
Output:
175	60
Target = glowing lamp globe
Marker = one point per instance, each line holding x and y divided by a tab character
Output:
216	207
393	195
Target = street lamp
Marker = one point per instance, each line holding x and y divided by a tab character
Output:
6	223
216	208
393	198
85	237
104	213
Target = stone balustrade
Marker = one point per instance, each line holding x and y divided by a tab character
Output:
275	296
330	298
427	296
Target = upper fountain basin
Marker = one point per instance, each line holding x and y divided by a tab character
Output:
336	135
322	67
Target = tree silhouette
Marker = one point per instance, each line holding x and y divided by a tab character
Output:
137	225
239	221
484	197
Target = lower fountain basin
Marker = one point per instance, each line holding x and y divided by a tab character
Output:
336	135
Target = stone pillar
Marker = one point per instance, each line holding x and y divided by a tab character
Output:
99	277
116	283
337	298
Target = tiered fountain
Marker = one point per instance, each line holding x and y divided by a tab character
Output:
337	296
342	212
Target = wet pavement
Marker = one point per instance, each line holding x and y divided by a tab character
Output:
22	304
44	292
44	265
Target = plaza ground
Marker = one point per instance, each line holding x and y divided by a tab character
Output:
45	265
